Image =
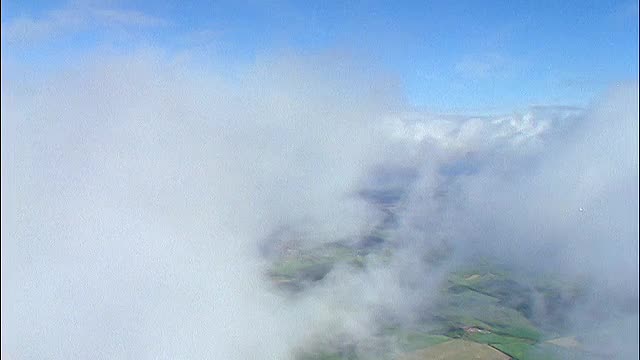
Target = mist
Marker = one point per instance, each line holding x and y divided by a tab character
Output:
138	190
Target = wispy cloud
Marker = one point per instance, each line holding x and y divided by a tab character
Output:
625	12
28	30
485	65
127	17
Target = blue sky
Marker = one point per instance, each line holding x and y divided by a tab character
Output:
478	56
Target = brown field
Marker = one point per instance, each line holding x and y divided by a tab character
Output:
458	350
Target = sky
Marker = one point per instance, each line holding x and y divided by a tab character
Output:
150	150
465	56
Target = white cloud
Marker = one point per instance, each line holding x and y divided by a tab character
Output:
135	190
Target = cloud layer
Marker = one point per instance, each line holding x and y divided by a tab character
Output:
136	190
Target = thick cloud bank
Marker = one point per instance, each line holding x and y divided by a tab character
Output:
136	191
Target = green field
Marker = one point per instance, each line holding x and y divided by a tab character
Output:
481	311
